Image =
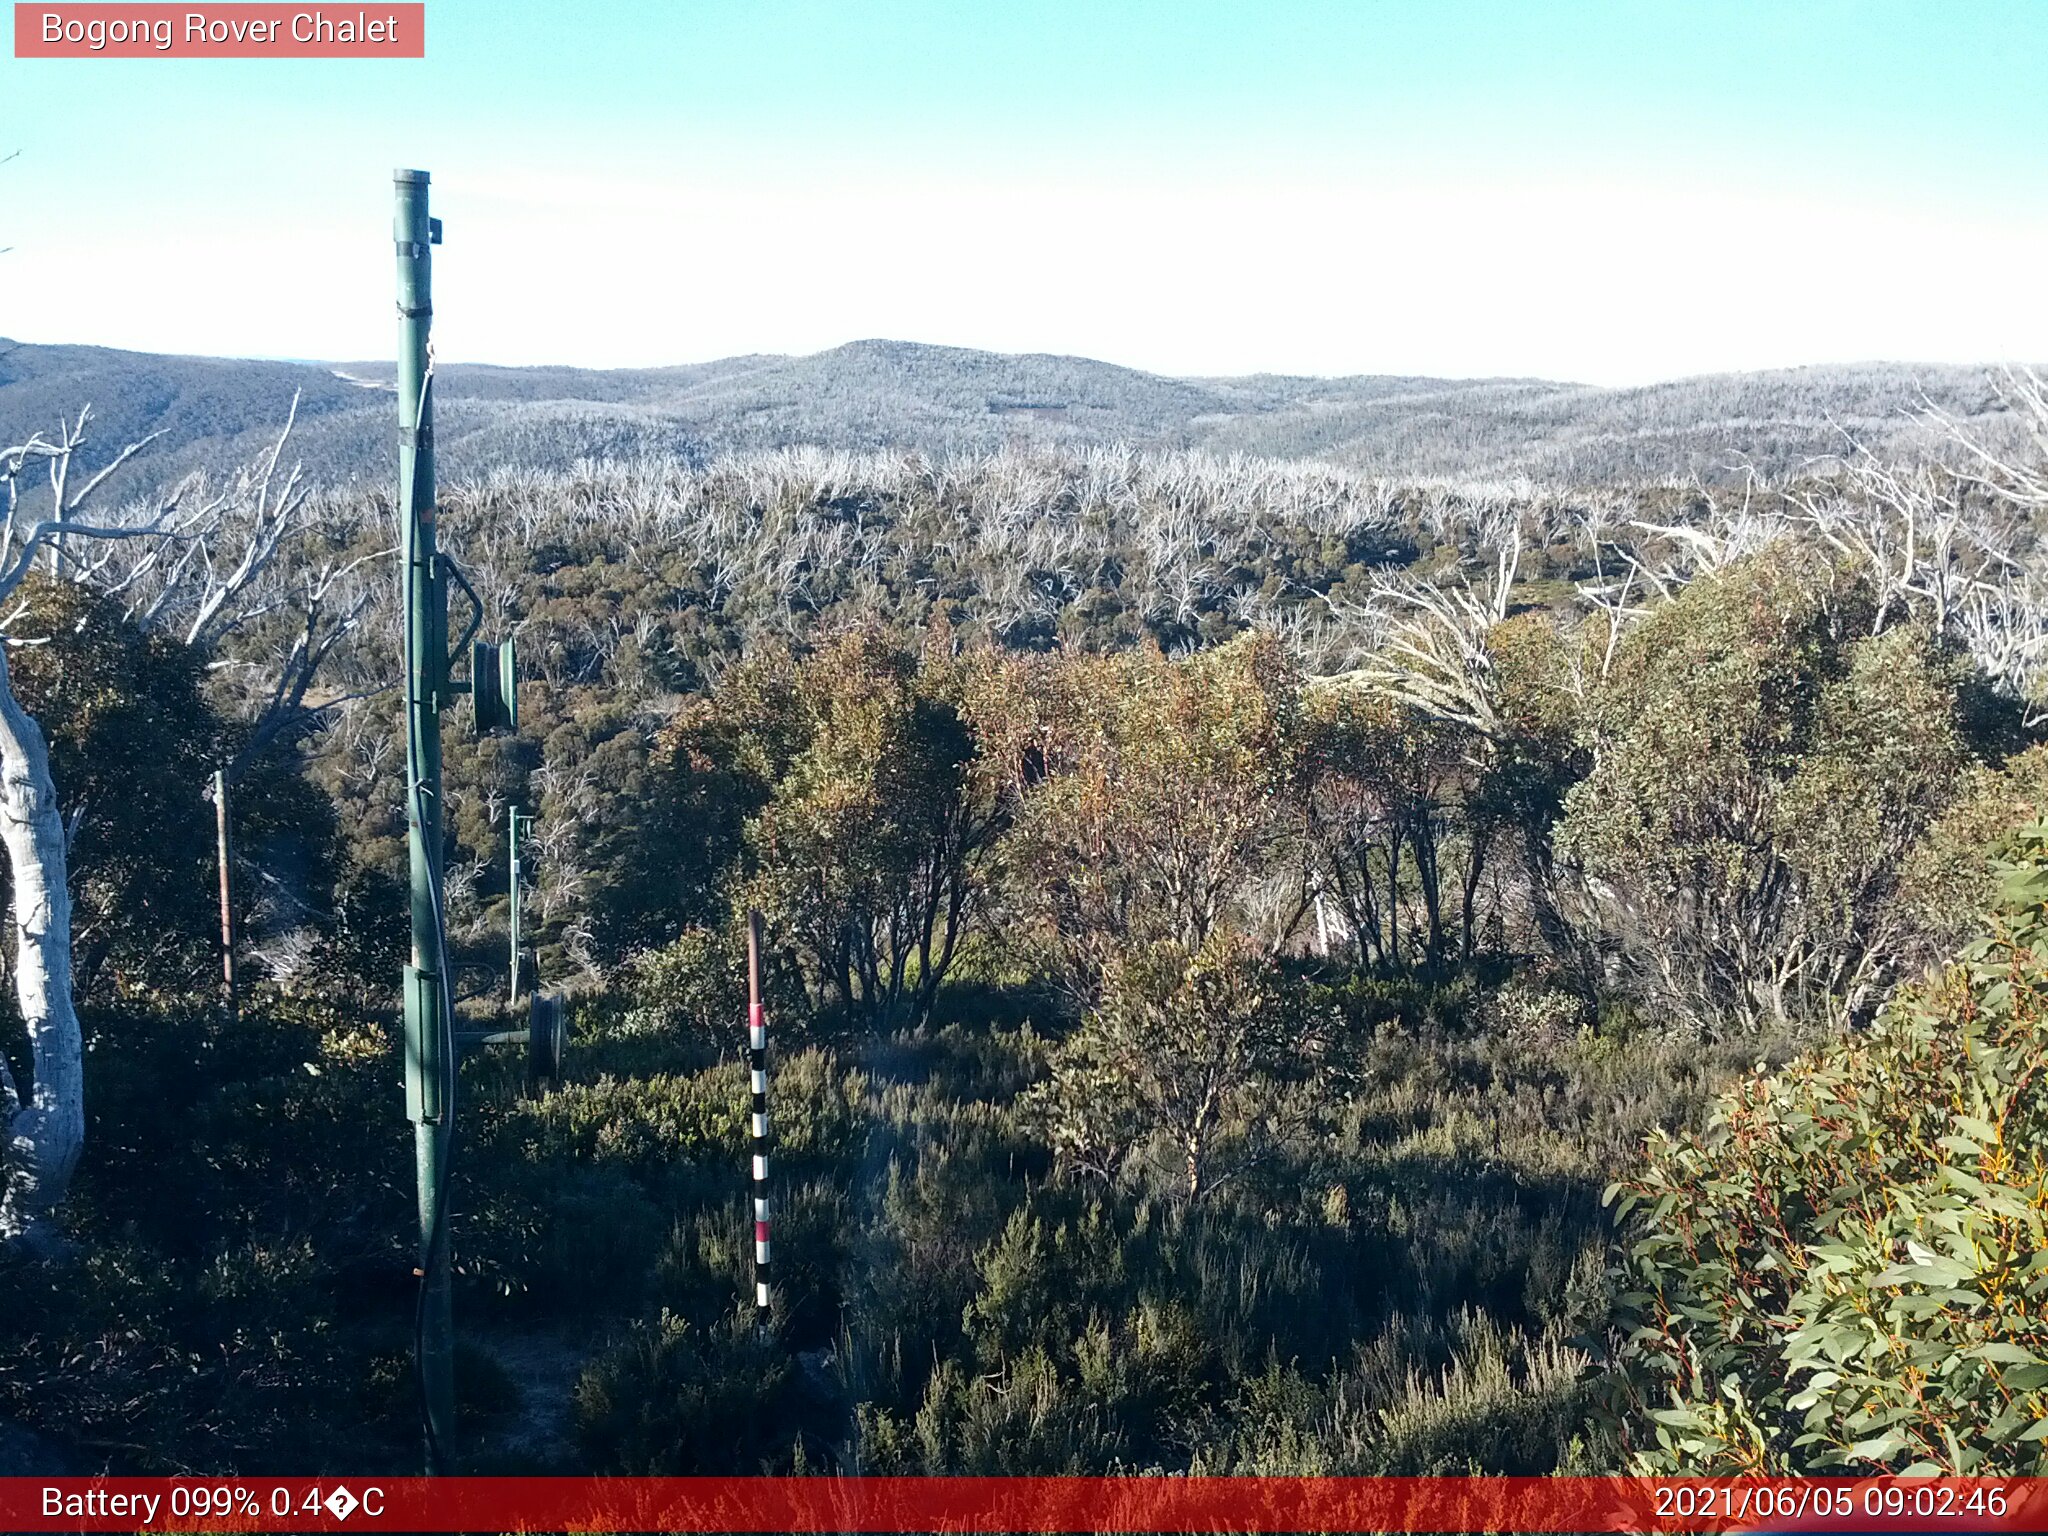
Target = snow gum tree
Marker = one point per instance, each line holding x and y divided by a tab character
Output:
1763	763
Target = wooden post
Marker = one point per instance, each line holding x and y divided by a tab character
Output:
225	851
757	1066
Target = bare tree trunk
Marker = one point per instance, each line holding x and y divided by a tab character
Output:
1475	867
46	1134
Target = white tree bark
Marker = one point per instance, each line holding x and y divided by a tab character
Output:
45	1133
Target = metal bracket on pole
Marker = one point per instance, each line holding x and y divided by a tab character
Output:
425	1065
493	683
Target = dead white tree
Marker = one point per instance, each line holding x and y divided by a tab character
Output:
2019	481
1433	654
1613	601
261	556
56	456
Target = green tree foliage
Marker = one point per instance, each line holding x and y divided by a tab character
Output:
1161	807
879	812
1762	765
1847	1269
132	743
1526	769
873	846
1429	829
1946	884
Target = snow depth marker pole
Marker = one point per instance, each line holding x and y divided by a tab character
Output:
757	1066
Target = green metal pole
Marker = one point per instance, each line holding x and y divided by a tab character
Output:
512	829
429	1052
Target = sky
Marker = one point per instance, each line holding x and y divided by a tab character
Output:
1612	193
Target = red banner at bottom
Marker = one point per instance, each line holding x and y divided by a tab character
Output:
1134	1504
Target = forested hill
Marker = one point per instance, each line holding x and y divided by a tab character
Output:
888	394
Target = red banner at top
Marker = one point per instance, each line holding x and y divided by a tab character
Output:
241	31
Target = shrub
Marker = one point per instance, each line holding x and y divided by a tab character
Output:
1182	1059
676	1400
691	987
693	990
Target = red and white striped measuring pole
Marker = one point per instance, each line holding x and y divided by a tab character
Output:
757	1066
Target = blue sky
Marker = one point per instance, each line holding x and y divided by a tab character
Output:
1601	191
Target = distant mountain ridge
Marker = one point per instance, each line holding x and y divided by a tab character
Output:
905	395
